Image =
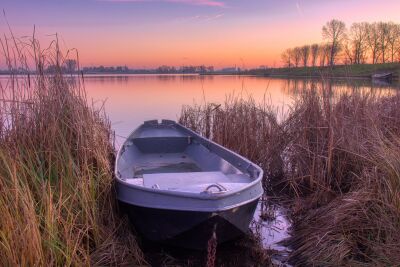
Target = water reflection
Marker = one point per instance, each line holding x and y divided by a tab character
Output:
131	99
271	224
336	87
160	77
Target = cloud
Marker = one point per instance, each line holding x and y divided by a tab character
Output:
199	2
214	3
200	18
299	9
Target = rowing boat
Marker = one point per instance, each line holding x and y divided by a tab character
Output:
181	188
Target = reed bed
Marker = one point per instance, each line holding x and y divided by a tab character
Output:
244	126
57	202
335	157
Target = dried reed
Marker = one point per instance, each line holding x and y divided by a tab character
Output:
337	157
56	199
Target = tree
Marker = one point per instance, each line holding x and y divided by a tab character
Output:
287	57
334	32
314	54
373	41
324	54
349	52
393	39
296	56
357	42
305	54
70	65
383	31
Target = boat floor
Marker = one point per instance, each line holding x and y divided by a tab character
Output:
164	163
178	172
192	182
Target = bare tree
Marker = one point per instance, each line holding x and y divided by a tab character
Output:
357	42
305	54
328	49
349	52
373	41
393	39
296	56
397	47
70	65
383	31
314	54
287	57
334	32
324	55
379	41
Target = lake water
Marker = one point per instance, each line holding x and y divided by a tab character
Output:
132	99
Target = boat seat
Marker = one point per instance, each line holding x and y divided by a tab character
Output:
135	181
194	181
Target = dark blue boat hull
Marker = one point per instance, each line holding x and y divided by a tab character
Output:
190	229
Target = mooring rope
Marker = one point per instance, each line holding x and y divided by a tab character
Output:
212	248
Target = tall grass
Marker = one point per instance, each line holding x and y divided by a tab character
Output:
242	125
56	200
336	157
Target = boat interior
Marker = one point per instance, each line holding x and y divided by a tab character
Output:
166	157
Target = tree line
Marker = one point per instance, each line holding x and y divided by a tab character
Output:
164	69
364	42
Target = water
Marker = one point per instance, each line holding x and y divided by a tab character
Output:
272	229
132	99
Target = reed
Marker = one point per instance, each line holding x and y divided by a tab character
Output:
244	126
335	156
344	169
57	202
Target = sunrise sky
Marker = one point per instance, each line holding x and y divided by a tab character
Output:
149	33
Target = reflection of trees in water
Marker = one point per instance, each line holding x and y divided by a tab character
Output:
114	79
195	77
336	87
119	79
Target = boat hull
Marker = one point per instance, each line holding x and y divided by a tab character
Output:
190	229
383	76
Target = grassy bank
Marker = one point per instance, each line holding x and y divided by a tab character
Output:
57	204
340	71
337	160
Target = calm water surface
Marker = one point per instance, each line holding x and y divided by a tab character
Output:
132	99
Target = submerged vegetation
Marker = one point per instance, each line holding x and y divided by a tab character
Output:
56	199
335	157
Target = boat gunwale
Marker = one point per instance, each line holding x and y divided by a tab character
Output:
197	209
213	196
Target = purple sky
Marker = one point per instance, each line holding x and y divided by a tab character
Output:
147	33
